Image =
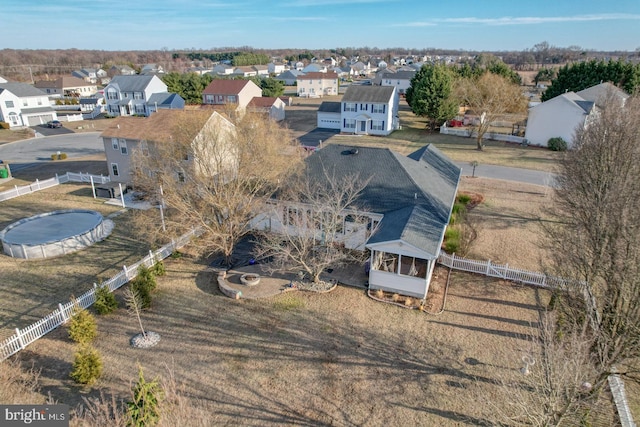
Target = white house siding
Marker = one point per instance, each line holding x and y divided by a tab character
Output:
329	120
401	85
366	120
558	117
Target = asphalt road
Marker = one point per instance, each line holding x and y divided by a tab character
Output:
509	174
25	153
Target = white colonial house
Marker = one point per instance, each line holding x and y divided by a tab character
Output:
126	135
24	105
400	216
139	95
315	85
563	115
369	110
401	80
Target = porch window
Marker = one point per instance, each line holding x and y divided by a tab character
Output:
384	261
292	216
410	266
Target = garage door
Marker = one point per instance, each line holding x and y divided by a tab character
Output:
39	120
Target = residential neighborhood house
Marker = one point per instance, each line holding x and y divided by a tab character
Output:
563	115
126	135
400	217
24	105
139	95
289	77
401	80
314	85
222	92
91	75
67	86
364	110
271	106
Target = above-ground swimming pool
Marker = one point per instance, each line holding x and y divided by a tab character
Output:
54	233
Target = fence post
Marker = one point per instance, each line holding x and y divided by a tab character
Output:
37	183
126	273
19	335
488	268
62	313
506	267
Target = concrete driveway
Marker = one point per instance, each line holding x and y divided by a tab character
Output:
25	153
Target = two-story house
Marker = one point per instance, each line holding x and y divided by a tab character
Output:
222	92
90	75
139	95
121	70
128	135
24	105
369	110
401	80
67	86
314	85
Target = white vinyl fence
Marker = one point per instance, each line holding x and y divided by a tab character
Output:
445	130
503	271
38	185
26	336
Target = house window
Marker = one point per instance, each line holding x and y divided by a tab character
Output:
349	123
292	216
25	103
232	99
114	143
139	108
377	108
39	101
123	147
364	107
112	94
350	106
9	104
114	169
410	266
137	95
377	124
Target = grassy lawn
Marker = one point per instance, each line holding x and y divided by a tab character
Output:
308	359
414	135
31	289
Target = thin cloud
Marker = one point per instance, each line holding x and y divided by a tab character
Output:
525	20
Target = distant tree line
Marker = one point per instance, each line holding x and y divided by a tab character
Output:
581	75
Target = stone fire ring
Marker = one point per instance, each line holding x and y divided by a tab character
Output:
250	279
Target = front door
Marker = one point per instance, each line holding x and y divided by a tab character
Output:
363	126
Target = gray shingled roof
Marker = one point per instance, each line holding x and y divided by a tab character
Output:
402	75
21	89
131	83
162	98
415	193
378	94
329	107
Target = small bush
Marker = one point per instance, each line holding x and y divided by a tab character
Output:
176	255
105	301
158	269
144	409
379	293
62	156
408	302
451	240
557	144
395	297
82	326
464	199
87	365
143	284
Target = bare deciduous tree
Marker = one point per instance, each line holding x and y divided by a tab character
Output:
314	210
134	306
597	240
215	177
549	384
490	96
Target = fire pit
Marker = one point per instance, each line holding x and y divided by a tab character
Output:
250	279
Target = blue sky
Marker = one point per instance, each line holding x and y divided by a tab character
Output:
314	24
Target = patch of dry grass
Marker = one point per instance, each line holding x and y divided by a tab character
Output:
337	359
31	289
